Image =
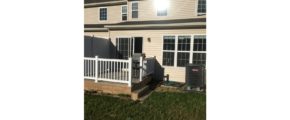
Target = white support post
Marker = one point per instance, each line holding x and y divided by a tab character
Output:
96	69
130	72
141	68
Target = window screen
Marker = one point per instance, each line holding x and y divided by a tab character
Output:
124	12
103	13
199	43
199	58
201	6
199	50
162	12
168	58
168	50
169	43
182	59
135	10
183	43
123	47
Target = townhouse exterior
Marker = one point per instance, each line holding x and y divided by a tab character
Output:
173	31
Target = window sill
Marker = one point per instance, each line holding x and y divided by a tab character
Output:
201	14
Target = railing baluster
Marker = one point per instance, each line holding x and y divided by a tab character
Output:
140	69
120	70
116	70
122	74
113	69
88	68
130	72
102	65
85	67
96	69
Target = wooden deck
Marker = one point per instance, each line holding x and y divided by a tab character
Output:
113	87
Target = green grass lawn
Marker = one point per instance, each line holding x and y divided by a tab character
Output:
159	106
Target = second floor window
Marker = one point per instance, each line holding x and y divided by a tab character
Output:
161	12
134	10
161	7
201	8
103	13
124	12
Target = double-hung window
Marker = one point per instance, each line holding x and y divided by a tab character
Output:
168	50
201	8
134	9
103	13
124	12
162	12
183	50
199	50
180	50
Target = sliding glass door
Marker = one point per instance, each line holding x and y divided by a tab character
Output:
127	46
124	47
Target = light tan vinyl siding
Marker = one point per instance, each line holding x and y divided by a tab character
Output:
178	9
155	47
113	15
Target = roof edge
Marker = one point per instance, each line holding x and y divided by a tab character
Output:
88	5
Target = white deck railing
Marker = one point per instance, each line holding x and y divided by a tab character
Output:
112	70
89	70
116	70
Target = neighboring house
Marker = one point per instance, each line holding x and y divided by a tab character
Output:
174	31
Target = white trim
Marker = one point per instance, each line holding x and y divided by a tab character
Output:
134	10
106	14
161	16
142	43
103	3
196	9
162	43
133	40
123	13
191	48
175	51
158	25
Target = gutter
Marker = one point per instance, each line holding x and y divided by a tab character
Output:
88	5
96	29
157	26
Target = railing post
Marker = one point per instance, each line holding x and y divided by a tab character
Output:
141	68
96	69
130	72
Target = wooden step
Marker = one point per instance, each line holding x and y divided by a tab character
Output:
135	95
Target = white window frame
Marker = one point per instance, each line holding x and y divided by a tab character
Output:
169	50
178	51
193	44
196	6
134	10
176	48
164	15
124	13
100	14
131	42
